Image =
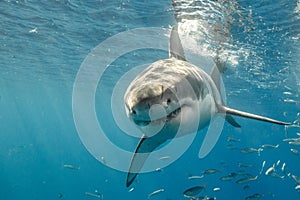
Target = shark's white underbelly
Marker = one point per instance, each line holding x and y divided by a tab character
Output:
194	116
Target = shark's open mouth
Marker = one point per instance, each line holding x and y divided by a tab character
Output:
174	113
170	116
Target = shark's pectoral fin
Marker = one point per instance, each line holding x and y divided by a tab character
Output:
230	111
232	121
145	147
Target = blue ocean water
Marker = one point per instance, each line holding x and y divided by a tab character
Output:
43	46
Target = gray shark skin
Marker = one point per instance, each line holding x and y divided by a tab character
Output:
189	97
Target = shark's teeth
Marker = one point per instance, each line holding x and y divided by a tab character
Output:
174	113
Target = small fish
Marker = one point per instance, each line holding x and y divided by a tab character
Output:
254	196
131	189
291	139
288	88
277	163
295	123
269	146
99	196
290	100
297	187
195	177
271	169
262	167
210	171
193	191
216	189
283	168
296	178
247	179
72	167
164	158
232	139
241	164
228	177
155	192
275	175
296	143
295	151
251	150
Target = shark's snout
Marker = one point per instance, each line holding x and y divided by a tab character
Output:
140	116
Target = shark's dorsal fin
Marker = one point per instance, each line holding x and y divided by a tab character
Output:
145	147
175	46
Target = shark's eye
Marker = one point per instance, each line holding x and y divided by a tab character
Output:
168	101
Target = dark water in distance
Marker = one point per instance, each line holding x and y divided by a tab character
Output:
42	45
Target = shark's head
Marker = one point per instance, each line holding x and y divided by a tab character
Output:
163	97
152	103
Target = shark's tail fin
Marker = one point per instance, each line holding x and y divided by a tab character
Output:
230	111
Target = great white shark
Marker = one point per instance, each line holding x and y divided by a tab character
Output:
173	93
